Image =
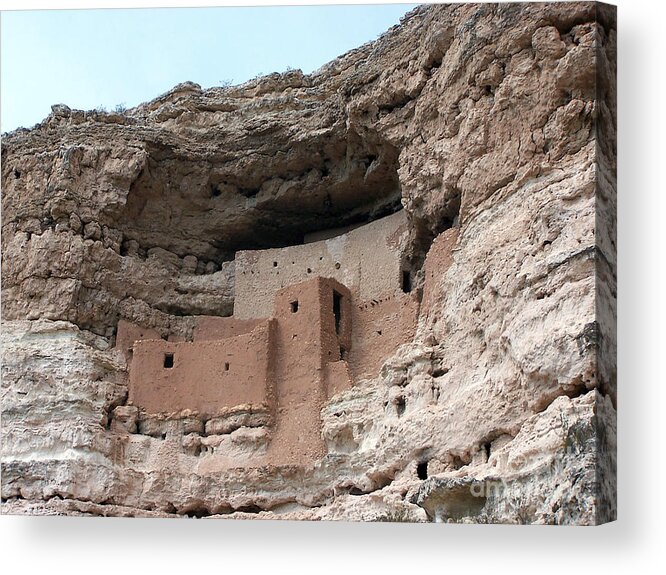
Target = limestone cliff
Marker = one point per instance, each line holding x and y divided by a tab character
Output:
493	125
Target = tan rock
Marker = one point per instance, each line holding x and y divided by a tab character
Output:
494	127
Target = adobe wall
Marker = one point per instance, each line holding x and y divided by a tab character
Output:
379	328
127	333
306	342
366	259
437	262
207	376
338	378
213	327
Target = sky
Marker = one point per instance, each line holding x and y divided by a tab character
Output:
92	58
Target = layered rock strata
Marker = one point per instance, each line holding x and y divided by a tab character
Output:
492	125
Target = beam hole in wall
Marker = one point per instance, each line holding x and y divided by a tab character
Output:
168	360
294	306
379	332
274	264
422	470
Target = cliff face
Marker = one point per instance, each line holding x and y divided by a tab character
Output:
493	125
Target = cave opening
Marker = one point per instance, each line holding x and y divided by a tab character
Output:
199	206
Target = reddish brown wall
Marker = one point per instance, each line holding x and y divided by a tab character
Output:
338	378
438	261
334	343
212	327
127	333
305	343
379	328
199	379
292	363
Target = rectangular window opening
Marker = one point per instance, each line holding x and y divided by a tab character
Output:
294	306
168	360
226	366
406	281
337	310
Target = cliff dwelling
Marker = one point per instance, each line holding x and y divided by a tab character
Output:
309	321
359	293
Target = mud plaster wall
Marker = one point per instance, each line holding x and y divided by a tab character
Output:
437	263
367	260
128	333
207	376
213	327
338	377
379	327
304	337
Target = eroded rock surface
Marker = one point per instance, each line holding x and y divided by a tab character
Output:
492	125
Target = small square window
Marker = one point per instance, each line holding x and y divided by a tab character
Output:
168	360
294	306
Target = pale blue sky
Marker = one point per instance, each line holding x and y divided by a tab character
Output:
91	58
